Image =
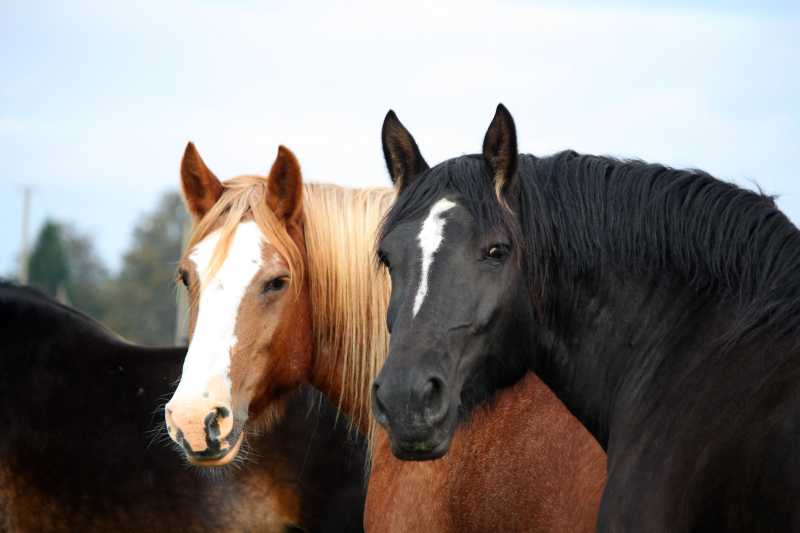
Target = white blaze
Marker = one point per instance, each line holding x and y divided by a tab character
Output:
430	238
214	338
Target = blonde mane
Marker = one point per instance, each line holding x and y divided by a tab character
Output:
349	292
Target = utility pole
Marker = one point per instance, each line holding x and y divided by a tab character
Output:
24	254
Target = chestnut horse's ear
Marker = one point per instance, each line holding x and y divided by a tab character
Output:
500	152
402	155
201	188
285	187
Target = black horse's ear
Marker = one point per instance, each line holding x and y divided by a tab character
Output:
500	151
403	158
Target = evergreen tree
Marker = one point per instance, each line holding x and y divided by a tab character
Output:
89	279
48	268
142	297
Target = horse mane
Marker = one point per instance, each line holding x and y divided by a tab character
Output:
585	215
349	294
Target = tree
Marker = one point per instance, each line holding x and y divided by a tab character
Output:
48	268
143	294
89	278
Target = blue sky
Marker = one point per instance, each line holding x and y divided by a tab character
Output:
99	98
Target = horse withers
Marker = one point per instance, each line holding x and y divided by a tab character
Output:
660	305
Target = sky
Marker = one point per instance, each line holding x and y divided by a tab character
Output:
98	98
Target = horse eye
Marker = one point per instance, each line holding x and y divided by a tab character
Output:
498	252
275	285
183	276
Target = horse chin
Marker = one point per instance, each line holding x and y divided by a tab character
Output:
428	450
229	456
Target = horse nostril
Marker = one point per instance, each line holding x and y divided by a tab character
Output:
212	421
430	391
434	400
378	409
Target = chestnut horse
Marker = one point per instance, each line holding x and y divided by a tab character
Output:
285	290
78	406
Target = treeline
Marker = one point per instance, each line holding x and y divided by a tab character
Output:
138	302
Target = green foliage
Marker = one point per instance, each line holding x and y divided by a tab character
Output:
142	297
140	302
47	267
89	278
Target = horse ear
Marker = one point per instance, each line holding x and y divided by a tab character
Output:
201	188
500	151
285	186
403	158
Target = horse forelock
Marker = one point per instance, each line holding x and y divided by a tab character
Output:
243	199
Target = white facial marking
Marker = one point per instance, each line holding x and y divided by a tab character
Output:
430	238
209	354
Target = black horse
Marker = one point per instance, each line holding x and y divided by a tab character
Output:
662	307
80	409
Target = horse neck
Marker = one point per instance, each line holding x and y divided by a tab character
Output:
328	377
645	268
615	337
349	294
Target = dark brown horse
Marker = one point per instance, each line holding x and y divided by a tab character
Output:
78	408
282	277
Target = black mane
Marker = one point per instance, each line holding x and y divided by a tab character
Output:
584	215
